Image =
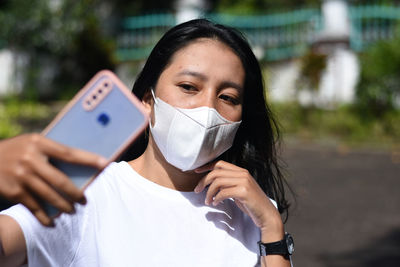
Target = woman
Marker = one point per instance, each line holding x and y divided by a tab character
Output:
196	189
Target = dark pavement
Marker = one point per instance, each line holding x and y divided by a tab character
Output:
348	206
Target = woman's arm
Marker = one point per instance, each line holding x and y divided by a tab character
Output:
226	180
273	260
12	243
27	177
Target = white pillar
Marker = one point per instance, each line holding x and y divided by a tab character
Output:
12	66
336	19
339	79
189	9
6	73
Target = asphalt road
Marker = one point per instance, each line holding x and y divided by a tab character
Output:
347	212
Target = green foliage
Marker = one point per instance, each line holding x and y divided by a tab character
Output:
64	42
312	66
311	69
18	116
343	125
379	82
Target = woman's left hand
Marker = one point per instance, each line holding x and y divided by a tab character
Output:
226	180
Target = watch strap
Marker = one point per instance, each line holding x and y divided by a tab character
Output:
278	247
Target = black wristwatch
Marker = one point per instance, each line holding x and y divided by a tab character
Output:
285	247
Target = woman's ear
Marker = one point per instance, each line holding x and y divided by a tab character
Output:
147	101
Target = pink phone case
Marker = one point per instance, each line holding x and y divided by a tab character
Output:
103	118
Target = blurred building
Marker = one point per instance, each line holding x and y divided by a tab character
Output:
336	30
339	77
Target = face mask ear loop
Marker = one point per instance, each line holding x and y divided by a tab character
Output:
154	96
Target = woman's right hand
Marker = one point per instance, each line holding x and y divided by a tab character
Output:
27	177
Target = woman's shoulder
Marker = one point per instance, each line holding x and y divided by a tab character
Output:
116	177
116	168
113	174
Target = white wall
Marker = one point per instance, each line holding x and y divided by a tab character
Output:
337	84
340	77
6	71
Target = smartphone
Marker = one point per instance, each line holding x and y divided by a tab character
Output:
104	118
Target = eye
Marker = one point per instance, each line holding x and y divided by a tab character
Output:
187	87
231	99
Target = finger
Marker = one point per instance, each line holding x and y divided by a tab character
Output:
211	176
218	185
220	164
59	181
226	165
71	155
45	192
206	180
230	192
33	205
205	168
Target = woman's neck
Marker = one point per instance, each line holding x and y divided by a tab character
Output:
153	166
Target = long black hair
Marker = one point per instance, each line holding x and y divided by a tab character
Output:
254	147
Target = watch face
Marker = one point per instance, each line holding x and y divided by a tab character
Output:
289	243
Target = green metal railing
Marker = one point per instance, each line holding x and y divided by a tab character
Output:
274	36
372	23
277	36
139	35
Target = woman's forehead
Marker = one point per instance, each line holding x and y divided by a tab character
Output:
206	55
202	44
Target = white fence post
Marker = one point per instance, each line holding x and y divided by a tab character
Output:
189	9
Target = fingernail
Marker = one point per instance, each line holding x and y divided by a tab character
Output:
45	219
83	201
196	190
73	211
51	223
103	162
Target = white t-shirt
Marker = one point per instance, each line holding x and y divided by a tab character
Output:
131	221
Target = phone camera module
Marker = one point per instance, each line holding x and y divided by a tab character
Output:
103	119
97	94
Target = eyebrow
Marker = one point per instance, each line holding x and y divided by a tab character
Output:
193	73
204	78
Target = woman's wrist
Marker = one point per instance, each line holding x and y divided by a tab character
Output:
273	232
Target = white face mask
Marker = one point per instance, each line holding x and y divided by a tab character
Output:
190	138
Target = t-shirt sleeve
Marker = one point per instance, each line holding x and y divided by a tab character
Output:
274	203
46	246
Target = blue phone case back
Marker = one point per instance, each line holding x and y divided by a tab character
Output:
102	130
